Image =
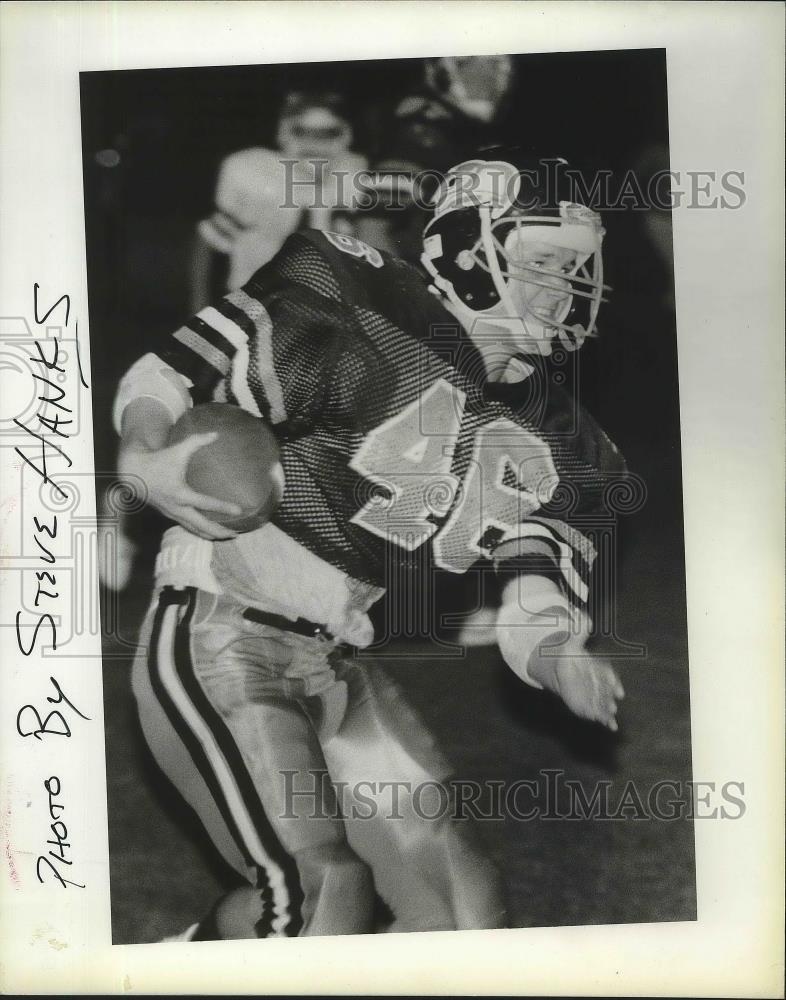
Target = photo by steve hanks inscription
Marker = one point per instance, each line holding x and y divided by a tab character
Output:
45	576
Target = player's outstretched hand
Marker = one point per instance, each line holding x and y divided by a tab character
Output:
163	472
589	687
587	684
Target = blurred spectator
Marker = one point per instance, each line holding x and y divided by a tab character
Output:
475	86
456	110
263	195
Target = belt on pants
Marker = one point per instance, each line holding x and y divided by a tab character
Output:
301	626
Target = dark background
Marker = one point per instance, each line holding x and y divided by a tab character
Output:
167	131
172	128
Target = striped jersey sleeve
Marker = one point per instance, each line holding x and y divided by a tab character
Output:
268	347
542	546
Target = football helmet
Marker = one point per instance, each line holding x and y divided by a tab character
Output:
475	85
514	248
314	125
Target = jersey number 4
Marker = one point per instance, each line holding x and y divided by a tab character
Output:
510	475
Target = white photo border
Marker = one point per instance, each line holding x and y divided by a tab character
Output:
725	80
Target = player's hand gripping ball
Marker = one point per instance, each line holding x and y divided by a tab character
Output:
241	465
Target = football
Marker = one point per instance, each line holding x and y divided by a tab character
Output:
241	465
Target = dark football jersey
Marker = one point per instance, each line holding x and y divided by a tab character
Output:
391	437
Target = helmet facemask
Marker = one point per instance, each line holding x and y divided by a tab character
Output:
547	272
536	272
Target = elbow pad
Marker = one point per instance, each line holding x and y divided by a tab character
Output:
152	377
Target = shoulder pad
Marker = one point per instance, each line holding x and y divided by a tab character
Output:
355	248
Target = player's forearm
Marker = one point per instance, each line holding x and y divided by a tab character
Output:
542	667
543	641
145	425
534	614
144	430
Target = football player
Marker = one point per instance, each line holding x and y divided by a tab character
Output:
476	86
261	197
387	395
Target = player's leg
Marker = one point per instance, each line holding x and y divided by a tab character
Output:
426	865
224	739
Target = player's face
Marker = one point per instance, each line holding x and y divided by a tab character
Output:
539	290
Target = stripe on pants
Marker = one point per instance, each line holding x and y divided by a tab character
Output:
220	762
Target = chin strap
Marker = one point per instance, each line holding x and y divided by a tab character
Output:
572	339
